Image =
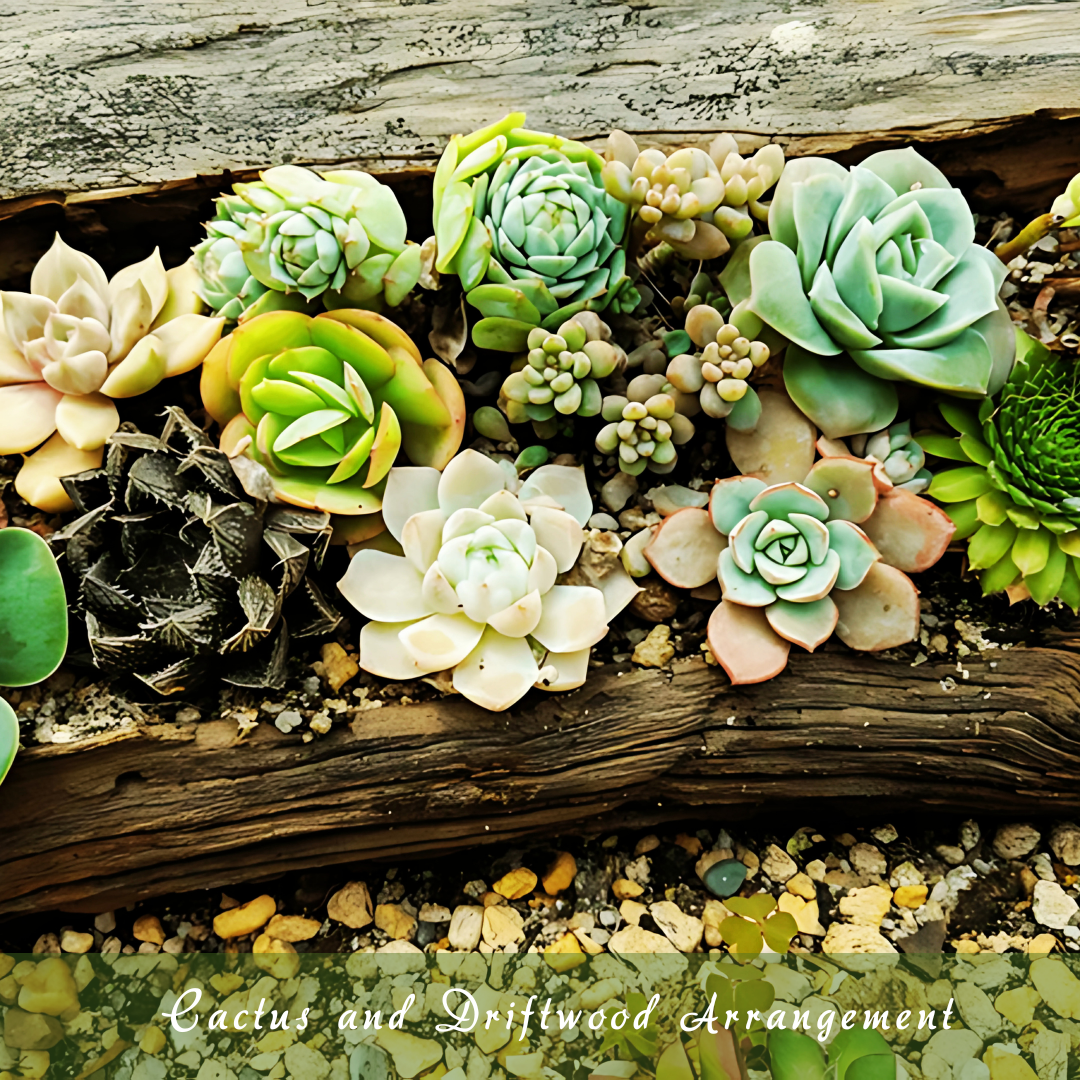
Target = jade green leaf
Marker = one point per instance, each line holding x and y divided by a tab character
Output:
793	1056
735	277
33	610
502	334
958	485
989	544
778	299
503	301
942	446
9	738
1031	550
999	576
741	936
1045	583
838	396
857	553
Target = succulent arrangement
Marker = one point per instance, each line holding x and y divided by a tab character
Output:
33	624
815	360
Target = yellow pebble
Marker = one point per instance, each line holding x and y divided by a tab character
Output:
153	1041
245	919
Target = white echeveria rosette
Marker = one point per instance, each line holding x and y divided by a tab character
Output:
475	591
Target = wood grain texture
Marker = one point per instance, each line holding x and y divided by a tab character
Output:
167	808
118	94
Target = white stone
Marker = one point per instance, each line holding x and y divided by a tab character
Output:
1052	906
1015	841
465	927
778	864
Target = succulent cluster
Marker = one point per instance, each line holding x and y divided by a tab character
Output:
643	429
77	341
527	213
561	372
899	458
324	404
296	233
1016	497
182	576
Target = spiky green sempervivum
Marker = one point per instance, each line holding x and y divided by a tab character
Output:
694	201
324	405
873	274
183	577
300	234
527	213
559	375
1016	498
895	452
643	429
714	380
33	623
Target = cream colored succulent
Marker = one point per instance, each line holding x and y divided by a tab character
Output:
75	342
475	591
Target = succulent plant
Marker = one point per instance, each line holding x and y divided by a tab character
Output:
33	623
474	591
560	373
1016	497
692	200
899	457
643	429
185	578
714	380
798	559
324	404
1067	205
527	213
75	342
340	235
873	274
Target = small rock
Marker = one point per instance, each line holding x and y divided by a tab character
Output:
434	913
1065	843
73	942
516	884
351	906
617	491
656	650
242	920
304	1063
105	922
867	860
1015	841
910	896
844	938
152	1041
1018	1006
287	720
148	928
502	926
976	1010
867	907
1006	1066
632	911
632	939
49	988
801	885
1052	906
465	927
970	835
690	844
412	1055
31	1031
682	930
950	853
656	603
292	928
338	666
1051	1052
394	920
884	834
625	889
805	913
1057	986
778	864
646	844
817	870
560	874
603	521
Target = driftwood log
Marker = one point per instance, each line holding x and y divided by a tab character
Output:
119	120
167	807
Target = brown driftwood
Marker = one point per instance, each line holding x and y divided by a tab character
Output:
170	807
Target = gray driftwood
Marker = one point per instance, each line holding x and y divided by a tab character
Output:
167	808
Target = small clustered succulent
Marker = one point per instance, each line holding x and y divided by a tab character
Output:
295	233
194	561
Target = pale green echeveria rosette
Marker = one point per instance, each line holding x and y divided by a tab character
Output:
296	235
873	274
522	218
895	452
475	591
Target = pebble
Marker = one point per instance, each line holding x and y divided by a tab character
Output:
31	1031
1065	843
1004	1065
725	877
910	896
49	988
682	930
395	921
502	926
148	928
242	920
616	493
977	1010
1015	841
1052	906
351	906
1057	986
633	939
845	938
105	922
434	913
646	844
632	911
801	885
338	666
603	521
656	603
73	942
305	1063
867	860
516	884
287	720
970	835
778	864
560	874
950	853
293	928
625	889
465	926
1018	1006
805	913
884	834
656	650
954	1046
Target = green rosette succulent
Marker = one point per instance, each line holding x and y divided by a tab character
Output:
1016	497
339	235
523	219
873	274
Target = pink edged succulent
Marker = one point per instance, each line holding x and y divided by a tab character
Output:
798	560
475	591
77	341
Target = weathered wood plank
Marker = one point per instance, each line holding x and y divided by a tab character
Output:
100	94
180	807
